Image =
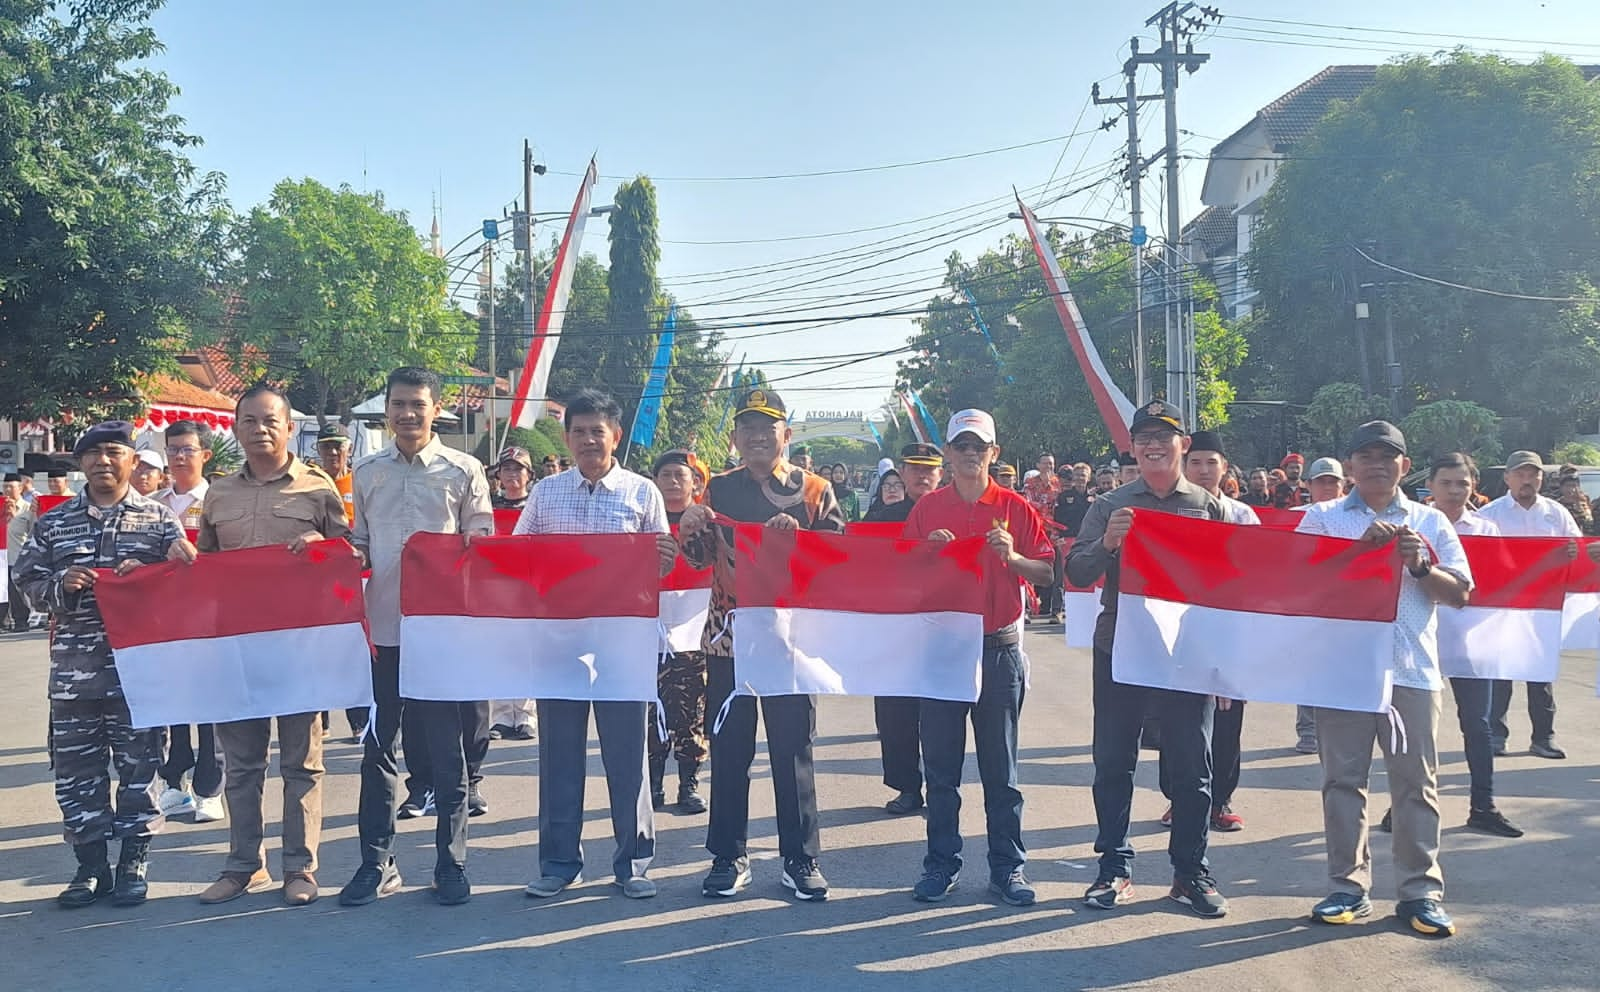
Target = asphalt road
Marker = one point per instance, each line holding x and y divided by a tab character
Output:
1526	908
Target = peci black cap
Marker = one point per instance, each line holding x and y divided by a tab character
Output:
1377	432
921	454
111	432
1206	441
55	473
761	400
12	477
677	456
1157	412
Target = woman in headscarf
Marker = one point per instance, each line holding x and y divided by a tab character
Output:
843	493
891	492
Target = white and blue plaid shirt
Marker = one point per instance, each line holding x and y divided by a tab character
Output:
619	502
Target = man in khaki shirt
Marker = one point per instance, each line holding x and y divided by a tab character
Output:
274	499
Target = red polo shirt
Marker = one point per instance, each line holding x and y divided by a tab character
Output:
944	509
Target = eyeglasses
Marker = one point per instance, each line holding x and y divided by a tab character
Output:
1159	437
190	452
968	447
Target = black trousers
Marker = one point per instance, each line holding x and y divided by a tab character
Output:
899	720
17	606
414	748
1541	711
380	773
791	730
1227	725
182	755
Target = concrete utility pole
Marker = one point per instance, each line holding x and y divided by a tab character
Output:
524	238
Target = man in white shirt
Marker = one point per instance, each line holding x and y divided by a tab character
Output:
188	451
1379	512
1522	512
414	484
597	496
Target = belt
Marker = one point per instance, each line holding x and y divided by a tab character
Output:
1002	639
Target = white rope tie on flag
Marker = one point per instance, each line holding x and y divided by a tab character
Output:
726	628
1397	732
372	724
661	719
746	689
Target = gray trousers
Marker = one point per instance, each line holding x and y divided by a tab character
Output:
563	771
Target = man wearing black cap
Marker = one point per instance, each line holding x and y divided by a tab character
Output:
108	525
897	716
764	489
1436	573
1159	443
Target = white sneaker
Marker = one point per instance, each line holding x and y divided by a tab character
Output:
175	801
208	809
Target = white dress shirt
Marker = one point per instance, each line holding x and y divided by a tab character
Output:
619	502
1416	622
186	505
1235	512
1545	518
440	491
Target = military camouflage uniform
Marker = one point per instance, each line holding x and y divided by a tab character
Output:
681	684
89	721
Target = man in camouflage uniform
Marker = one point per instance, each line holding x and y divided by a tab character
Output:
681	677
107	526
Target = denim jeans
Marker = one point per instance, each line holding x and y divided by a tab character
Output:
944	750
1474	699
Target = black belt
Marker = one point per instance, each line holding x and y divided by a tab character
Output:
1002	639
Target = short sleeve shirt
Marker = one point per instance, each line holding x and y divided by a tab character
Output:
944	509
1545	518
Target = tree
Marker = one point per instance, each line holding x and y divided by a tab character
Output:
1440	428
1470	169
337	291
1335	412
632	306
107	238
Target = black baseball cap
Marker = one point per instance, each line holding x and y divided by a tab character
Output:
1206	441
761	400
1157	412
1377	432
921	454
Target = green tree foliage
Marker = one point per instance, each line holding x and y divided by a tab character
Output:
633	307
852	453
544	438
1439	428
1470	169
1336	410
337	291
107	237
1575	453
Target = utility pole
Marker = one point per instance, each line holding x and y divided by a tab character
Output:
486	279
524	239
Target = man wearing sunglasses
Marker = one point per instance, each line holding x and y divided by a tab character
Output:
1159	446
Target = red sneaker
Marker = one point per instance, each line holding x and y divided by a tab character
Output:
1226	820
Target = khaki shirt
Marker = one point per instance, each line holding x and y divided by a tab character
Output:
242	511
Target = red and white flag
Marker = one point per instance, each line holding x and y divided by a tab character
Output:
1580	612
1256	613
529	402
1116	410
891	529
685	604
833	614
1511	626
548	616
1271	516
245	634
1080	607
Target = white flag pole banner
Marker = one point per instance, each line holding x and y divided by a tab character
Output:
846	615
1512	626
261	633
1192	591
549	616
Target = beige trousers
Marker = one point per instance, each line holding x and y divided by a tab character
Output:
245	747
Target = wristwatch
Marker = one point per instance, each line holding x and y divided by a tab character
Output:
1420	573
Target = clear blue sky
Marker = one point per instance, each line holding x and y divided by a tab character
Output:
418	99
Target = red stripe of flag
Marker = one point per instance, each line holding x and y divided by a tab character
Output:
229	593
876	528
505	521
1518	573
812	570
535	577
1258	569
1271	516
44	502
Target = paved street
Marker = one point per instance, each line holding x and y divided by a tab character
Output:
1526	908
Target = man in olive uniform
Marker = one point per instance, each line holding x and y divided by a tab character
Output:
107	526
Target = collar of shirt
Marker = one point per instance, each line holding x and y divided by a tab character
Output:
425	455
1184	487
177	501
294	470
1354	502
608	482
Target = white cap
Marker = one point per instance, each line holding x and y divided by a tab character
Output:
152	458
971	422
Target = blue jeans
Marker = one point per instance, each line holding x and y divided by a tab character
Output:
944	749
1185	717
1474	702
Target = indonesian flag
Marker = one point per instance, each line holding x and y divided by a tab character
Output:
1080	607
1200	600
834	614
1271	516
1580	612
247	634
685	604
505	521
917	427
891	529
529	401
1511	626
549	616
44	502
1116	410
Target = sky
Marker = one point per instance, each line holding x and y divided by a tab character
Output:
429	102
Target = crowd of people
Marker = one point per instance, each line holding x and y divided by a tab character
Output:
1054	526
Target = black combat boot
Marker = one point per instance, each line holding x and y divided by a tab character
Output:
658	791
689	800
93	881
131	866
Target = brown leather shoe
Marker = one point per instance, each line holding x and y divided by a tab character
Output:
299	888
230	885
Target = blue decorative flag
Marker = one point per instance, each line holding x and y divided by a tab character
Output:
927	418
655	387
874	429
999	362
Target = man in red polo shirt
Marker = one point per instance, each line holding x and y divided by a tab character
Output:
974	505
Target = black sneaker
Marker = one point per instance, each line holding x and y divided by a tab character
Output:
1341	907
476	804
1426	917
1014	889
1109	892
450	885
417	804
370	882
1492	821
1200	894
904	804
727	877
933	886
1547	749
804	878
